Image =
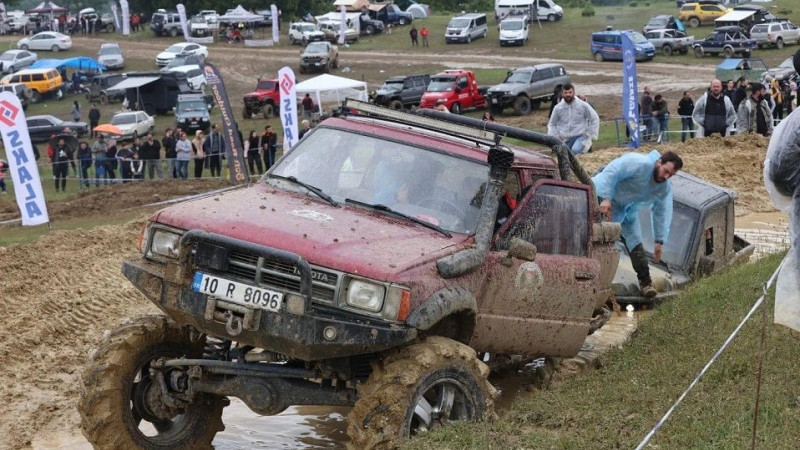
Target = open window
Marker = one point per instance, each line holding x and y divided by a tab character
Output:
554	217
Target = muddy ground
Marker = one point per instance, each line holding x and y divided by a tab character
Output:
63	292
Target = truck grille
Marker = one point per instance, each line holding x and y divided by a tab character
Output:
251	101
279	276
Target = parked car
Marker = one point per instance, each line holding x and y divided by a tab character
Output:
22	92
199	27
98	88
264	100
524	88
166	24
110	55
402	91
331	30
456	89
183	60
14	60
194	75
466	27
607	45
369	26
670	42
752	69
106	20
698	13
785	71
133	123
514	30
727	41
663	21
319	56
181	48
775	34
304	32
42	128
389	13
46	40
42	82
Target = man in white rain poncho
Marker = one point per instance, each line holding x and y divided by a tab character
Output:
632	182
782	179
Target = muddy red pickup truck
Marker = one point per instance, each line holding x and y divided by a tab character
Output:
457	89
264	100
382	248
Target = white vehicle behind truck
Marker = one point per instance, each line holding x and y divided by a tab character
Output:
514	30
540	10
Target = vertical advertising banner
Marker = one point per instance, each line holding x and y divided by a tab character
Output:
184	22
230	130
287	84
21	161
630	91
273	10
342	25
126	17
115	14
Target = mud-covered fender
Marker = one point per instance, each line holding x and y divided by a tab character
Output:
443	303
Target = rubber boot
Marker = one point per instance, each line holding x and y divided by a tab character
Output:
642	268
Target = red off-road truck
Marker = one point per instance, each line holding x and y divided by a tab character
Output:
365	269
264	100
457	89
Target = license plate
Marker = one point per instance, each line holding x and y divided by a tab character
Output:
494	100
235	292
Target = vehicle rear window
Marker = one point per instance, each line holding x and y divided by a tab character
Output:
759	29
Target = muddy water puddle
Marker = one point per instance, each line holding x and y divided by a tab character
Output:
768	232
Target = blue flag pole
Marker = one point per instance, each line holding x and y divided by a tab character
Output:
630	91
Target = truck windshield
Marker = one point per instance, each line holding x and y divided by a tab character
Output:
636	37
441	84
443	190
393	85
192	106
518	77
266	86
317	48
511	25
676	249
109	51
458	23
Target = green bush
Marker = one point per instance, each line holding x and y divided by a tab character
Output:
587	11
633	4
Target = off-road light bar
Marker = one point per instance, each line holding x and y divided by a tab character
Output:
429	123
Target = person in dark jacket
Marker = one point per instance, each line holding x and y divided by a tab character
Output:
214	148
94	119
252	151
62	155
85	161
685	109
740	93
269	143
150	153
169	153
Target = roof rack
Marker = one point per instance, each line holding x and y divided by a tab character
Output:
467	132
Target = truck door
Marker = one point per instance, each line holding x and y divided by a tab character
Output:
543	305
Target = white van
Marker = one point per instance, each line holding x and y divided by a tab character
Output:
194	76
466	27
535	9
514	30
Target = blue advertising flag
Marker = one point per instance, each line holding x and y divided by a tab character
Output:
630	106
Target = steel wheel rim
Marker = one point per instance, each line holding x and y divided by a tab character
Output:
446	401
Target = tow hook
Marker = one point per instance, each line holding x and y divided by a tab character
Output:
233	325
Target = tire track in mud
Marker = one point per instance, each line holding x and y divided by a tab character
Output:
59	295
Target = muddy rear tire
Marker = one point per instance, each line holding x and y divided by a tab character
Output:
117	382
439	376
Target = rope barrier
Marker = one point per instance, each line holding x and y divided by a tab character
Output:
713	359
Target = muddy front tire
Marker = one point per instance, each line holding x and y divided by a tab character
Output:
417	388
117	389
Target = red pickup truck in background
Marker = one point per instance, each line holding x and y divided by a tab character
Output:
457	88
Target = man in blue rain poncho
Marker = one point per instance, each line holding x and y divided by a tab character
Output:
630	183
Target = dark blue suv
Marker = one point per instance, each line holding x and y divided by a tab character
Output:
728	41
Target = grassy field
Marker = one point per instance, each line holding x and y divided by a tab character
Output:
616	405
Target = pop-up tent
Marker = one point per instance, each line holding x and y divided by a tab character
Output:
240	15
331	90
78	63
46	7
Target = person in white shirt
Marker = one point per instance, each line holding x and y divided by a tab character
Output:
574	121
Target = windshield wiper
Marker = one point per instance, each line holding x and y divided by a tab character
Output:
320	193
384	208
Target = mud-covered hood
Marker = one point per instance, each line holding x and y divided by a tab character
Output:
626	286
506	87
344	237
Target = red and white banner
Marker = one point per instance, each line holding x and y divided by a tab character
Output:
21	161
287	83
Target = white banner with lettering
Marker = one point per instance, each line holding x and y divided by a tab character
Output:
126	17
287	83
21	161
342	25
184	22
115	15
273	11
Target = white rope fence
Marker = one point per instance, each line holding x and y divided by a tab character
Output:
713	359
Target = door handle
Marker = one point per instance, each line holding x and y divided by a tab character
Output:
584	276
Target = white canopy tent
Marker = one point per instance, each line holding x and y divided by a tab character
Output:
351	19
238	15
331	90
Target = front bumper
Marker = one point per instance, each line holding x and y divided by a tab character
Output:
300	337
318	65
501	101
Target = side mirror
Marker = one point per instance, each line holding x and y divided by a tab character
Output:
521	249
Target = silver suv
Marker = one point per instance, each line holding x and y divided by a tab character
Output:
526	87
775	34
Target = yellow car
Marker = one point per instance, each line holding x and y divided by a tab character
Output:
701	12
40	81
